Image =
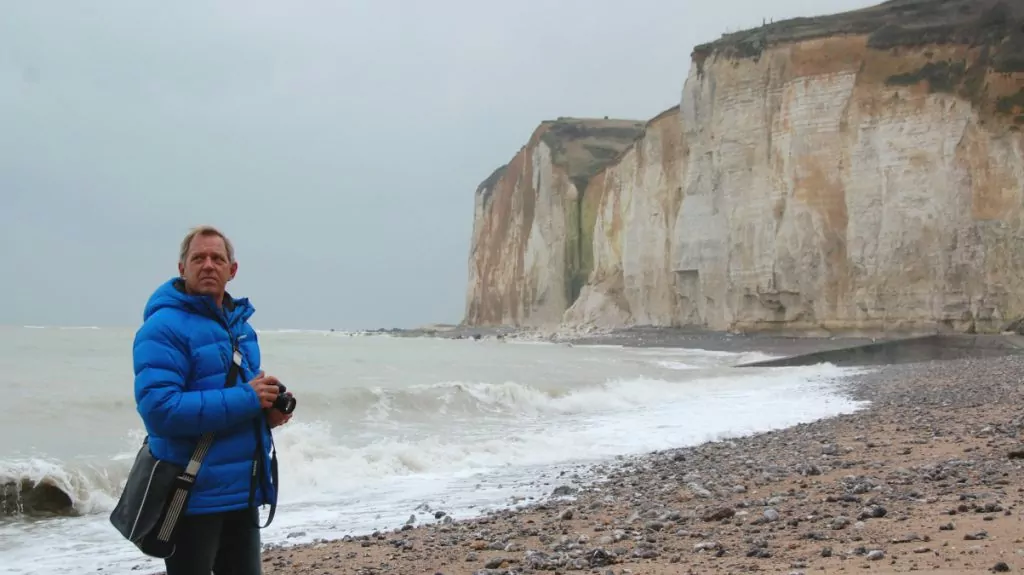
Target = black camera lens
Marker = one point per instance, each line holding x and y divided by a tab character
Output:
285	402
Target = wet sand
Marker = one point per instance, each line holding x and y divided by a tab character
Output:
926	478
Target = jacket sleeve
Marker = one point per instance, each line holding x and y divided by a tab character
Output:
161	363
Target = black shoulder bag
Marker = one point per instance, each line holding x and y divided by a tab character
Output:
157	492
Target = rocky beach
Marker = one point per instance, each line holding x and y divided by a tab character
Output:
927	477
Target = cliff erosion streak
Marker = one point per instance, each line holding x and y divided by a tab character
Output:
855	172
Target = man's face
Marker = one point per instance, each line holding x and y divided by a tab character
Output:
207	270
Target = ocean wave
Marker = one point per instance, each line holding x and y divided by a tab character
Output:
511	398
322	456
461	398
628	416
41	487
64	327
331	332
324	332
676	365
706	356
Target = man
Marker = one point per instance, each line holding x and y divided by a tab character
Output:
182	354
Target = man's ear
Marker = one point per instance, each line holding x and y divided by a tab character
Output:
181	269
234	270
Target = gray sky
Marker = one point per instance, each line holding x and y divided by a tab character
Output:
338	143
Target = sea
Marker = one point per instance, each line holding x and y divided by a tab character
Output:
386	429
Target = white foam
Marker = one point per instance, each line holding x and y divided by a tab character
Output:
63	327
91	488
288	331
517	399
369	460
533	427
676	365
527	341
624	416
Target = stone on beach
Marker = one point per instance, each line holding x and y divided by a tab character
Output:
919	480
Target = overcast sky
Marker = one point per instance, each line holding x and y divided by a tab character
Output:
338	143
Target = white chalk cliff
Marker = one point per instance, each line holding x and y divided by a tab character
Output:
856	172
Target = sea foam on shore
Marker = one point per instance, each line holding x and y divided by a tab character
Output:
387	425
928	478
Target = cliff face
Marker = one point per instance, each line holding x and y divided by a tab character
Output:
636	203
531	249
857	172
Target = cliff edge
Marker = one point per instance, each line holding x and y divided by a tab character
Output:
857	172
530	245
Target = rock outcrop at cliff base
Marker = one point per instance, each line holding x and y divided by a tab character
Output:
858	172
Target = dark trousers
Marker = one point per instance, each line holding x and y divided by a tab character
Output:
224	543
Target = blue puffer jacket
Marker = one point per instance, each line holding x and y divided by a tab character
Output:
181	355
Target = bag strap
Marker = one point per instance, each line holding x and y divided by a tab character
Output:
187	479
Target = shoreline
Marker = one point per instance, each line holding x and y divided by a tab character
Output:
920	479
646	336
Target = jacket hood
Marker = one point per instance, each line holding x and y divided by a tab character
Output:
171	294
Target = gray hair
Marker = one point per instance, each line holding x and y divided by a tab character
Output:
204	231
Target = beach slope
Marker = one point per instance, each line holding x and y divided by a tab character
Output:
927	477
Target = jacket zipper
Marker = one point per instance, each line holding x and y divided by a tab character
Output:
256	477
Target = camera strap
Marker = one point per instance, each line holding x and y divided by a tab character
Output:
256	478
185	481
257	471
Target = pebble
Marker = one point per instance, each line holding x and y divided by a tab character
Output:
795	500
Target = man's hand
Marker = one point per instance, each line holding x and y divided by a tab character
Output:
266	389
275	418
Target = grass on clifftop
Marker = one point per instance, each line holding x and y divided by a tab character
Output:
581	146
586	146
893	24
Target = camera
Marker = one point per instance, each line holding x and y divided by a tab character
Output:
285	402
